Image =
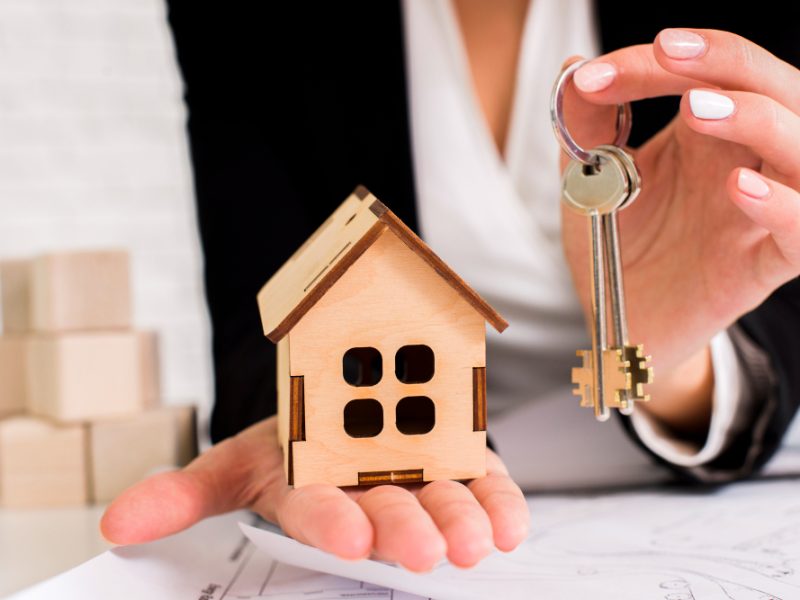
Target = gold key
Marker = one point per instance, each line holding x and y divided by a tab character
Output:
597	183
636	361
612	375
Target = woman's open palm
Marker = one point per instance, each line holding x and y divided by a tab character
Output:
414	526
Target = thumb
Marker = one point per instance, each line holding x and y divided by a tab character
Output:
589	124
233	474
154	508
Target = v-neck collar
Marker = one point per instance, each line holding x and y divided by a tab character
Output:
457	48
528	99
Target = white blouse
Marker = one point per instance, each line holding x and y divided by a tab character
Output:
497	223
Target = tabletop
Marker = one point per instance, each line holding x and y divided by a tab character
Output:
38	544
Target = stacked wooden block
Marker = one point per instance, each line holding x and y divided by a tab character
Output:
79	396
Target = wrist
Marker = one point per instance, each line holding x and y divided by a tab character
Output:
681	398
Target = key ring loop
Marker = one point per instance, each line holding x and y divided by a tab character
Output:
568	143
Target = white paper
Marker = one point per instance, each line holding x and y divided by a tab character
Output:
737	543
741	542
211	561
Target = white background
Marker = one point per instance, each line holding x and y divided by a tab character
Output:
93	154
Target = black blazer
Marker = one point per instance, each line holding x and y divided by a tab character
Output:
292	104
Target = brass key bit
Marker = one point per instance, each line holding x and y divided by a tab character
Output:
640	371
583	378
617	378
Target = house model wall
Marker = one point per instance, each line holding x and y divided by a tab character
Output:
381	355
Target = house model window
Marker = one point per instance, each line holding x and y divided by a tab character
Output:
414	364
381	355
415	415
362	367
363	418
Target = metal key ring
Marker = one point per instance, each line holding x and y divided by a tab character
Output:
566	140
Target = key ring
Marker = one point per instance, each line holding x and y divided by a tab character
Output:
566	140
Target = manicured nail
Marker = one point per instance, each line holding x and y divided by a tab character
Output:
752	185
593	77
681	44
710	105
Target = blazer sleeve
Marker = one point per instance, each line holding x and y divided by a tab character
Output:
772	331
774	327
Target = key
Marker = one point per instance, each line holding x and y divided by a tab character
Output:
611	376
634	358
637	362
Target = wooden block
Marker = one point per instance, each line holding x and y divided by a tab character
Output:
151	372
84	376
15	289
13	374
76	291
125	451
186	422
41	464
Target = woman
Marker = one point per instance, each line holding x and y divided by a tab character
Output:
291	107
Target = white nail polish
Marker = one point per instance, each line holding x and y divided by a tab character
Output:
710	105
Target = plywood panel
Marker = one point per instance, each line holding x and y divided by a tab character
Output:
327	255
479	399
284	403
299	282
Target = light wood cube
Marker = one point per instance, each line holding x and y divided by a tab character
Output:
85	376
13	374
15	289
86	290
41	464
186	422
151	372
125	451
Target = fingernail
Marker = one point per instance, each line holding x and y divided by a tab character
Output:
710	105
593	77
752	185
681	44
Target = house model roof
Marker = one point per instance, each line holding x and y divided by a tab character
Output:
319	263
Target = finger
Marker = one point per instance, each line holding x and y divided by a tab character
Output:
323	516
229	476
628	74
503	501
590	124
461	519
776	208
729	61
155	508
768	128
404	532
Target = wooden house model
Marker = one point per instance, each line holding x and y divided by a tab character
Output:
381	355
